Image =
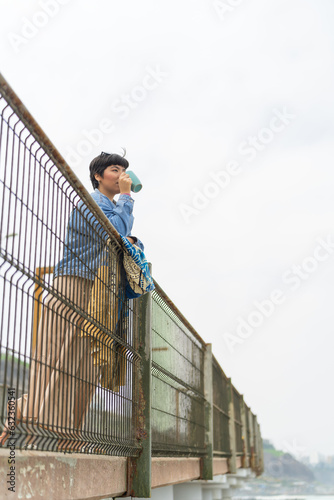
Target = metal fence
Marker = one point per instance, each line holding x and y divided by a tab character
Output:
72	353
68	353
177	382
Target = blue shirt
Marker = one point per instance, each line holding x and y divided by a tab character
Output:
85	238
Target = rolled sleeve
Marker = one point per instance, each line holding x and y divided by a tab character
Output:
119	214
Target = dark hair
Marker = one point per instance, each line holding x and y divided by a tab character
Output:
101	162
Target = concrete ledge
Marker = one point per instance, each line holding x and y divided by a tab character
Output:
174	470
76	476
60	476
220	466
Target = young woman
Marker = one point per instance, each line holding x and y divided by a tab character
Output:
63	375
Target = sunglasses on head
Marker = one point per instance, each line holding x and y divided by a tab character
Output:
109	154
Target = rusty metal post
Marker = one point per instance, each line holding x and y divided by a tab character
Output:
252	444
245	461
257	446
261	469
259	450
207	461
233	458
140	467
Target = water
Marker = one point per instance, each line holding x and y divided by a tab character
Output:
284	497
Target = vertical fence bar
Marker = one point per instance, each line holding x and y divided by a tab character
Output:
256	444
140	467
233	458
258	448
261	468
207	461
245	461
251	428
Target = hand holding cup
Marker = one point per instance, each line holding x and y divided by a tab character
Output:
124	183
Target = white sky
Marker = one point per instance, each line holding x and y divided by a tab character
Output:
221	79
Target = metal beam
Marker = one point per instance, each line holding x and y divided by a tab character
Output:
207	461
233	458
244	432
140	467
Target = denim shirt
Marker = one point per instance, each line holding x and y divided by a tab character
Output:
85	238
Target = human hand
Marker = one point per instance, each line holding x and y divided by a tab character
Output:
132	241
124	183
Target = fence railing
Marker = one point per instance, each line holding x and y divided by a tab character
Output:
177	383
89	370
221	416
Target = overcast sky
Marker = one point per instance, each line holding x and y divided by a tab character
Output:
226	111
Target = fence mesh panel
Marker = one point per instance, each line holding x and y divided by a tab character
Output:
67	341
177	384
237	421
221	433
